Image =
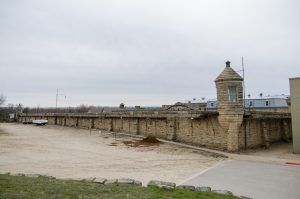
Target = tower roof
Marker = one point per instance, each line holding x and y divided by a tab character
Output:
228	74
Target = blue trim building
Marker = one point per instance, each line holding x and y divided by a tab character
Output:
260	103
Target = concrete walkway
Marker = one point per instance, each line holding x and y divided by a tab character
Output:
252	179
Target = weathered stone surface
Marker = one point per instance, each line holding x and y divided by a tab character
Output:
125	181
165	187
244	197
111	181
202	189
99	180
17	174
33	175
188	187
76	179
225	192
46	176
88	179
136	182
161	183
230	107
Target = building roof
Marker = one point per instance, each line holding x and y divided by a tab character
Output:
228	74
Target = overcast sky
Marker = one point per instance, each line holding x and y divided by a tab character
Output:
143	52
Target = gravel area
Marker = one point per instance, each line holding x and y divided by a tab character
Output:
66	152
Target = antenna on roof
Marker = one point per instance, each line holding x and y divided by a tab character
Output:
244	101
243	69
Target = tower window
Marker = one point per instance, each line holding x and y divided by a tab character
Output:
232	95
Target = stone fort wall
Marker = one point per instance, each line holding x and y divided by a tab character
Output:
263	128
186	128
196	128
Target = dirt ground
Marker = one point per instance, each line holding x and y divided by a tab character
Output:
78	153
281	151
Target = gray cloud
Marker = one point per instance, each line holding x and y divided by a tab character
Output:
143	52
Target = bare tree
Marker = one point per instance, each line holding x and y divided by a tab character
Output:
82	108
2	99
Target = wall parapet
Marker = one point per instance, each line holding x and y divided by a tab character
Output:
266	115
128	114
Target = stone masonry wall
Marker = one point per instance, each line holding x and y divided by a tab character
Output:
71	121
261	132
51	120
202	132
186	128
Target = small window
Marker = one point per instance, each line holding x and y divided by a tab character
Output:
267	103
250	103
211	104
232	94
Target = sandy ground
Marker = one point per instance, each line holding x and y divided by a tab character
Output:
281	151
77	153
278	153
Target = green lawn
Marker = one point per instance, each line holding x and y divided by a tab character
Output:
43	187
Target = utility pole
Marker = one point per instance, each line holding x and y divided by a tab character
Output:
56	98
57	94
244	103
244	91
244	83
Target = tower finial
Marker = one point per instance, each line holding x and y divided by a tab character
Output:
228	64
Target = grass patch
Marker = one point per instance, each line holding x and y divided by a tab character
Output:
43	187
